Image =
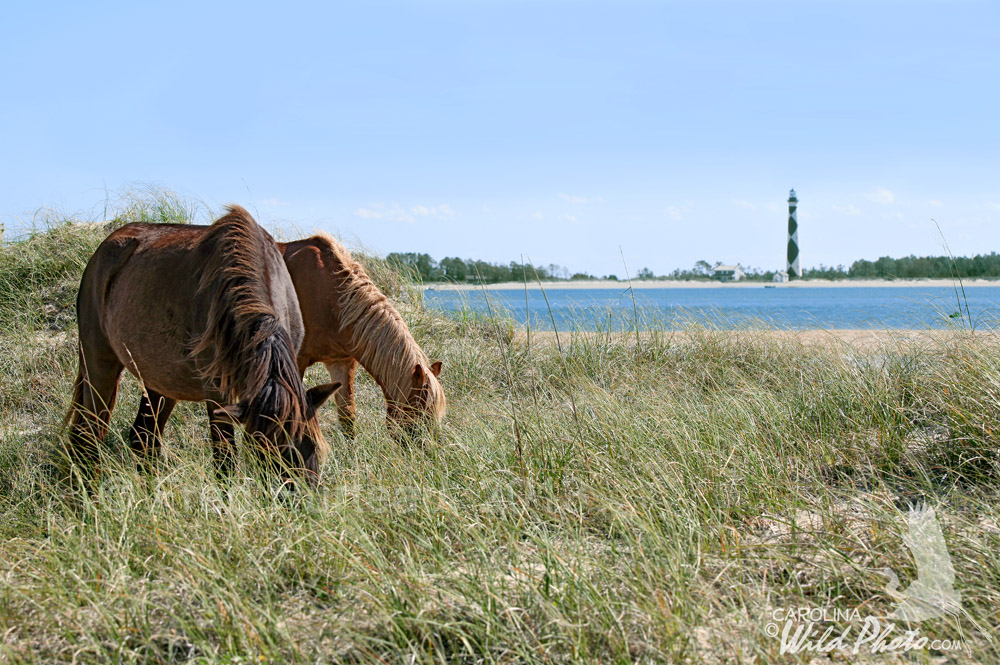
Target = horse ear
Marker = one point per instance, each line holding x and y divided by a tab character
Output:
317	396
233	413
419	376
436	368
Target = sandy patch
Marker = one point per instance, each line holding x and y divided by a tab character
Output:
862	340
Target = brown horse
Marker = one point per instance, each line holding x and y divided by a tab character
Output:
348	321
196	313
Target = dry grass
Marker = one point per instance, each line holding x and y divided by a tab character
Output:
609	501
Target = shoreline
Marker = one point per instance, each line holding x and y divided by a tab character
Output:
679	284
844	338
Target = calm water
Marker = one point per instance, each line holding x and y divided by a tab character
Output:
793	308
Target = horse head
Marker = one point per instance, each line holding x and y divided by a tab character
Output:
424	402
277	425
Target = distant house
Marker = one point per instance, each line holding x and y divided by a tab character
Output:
725	273
780	276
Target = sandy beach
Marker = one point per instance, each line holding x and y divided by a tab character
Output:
843	339
678	284
833	337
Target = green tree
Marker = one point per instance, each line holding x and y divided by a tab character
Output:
454	268
702	269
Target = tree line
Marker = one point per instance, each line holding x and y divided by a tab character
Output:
455	269
984	266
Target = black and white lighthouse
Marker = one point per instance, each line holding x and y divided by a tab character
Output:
794	271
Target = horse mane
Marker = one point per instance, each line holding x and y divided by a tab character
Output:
248	351
374	322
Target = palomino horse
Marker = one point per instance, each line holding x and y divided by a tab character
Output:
196	313
348	321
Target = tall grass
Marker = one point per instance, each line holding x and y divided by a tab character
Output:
40	272
613	498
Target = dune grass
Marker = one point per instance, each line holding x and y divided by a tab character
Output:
610	498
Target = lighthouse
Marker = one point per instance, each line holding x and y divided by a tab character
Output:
794	271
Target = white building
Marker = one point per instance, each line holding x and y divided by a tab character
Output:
780	276
725	273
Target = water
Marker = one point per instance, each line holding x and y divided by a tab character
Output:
845	307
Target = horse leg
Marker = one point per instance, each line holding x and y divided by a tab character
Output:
223	442
343	371
94	393
144	438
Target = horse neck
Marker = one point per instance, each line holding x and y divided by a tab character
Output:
369	328
280	396
388	352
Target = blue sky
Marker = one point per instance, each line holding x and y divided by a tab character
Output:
561	131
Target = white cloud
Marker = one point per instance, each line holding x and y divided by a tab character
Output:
439	211
676	213
397	213
746	205
774	207
934	203
847	210
993	205
271	202
570	218
393	213
365	213
893	215
537	215
882	195
580	199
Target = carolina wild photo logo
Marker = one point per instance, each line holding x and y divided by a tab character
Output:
931	595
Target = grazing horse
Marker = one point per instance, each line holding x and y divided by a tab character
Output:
199	313
348	321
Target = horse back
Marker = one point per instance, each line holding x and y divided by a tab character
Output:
316	274
141	293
